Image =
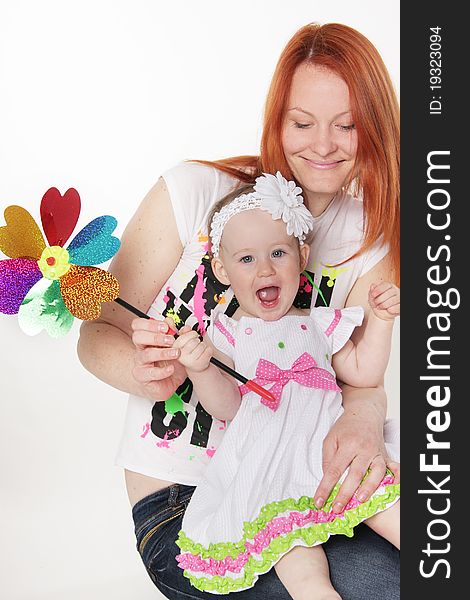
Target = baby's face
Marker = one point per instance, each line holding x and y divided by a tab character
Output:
261	262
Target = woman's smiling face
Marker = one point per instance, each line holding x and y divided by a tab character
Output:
319	136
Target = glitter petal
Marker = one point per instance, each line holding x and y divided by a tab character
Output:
59	215
17	277
43	308
21	237
94	244
84	288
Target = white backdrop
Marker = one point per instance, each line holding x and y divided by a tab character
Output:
103	95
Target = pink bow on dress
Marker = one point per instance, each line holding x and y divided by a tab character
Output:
304	370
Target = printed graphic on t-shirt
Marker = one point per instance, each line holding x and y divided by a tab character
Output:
170	418
198	299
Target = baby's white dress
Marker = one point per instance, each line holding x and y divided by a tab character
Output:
255	502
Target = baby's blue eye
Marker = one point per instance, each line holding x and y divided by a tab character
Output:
278	253
246	259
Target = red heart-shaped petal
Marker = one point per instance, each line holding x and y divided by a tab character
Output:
59	215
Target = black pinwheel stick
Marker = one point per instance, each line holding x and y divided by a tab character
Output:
252	385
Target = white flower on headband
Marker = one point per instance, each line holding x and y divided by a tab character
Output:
274	194
283	200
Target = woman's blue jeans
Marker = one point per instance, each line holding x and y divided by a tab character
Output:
365	567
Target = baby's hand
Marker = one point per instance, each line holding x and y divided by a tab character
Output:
384	300
195	355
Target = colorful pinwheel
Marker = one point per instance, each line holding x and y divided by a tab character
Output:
47	286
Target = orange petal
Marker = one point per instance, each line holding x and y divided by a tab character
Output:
85	288
21	237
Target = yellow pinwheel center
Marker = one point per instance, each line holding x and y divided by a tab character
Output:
54	262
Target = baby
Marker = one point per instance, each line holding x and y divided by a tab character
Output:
254	510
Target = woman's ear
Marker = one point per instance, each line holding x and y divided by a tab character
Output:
219	271
304	251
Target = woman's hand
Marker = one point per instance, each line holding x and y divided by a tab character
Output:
356	442
129	354
156	367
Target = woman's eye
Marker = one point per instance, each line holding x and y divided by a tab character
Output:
302	125
347	127
278	253
246	259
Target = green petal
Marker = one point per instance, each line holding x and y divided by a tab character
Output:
43	308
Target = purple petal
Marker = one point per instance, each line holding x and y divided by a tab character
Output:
17	277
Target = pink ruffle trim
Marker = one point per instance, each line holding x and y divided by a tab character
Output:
225	332
276	527
333	323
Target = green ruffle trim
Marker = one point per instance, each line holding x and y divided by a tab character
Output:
310	535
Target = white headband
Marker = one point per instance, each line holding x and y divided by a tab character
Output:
281	198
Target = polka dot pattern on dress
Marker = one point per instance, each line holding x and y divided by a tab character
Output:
248	331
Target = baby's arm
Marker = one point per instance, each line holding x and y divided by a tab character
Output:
363	364
217	391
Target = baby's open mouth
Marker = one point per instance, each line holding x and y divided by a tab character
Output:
268	296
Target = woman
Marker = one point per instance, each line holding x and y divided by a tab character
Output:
331	123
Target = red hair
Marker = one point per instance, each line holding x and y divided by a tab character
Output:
374	108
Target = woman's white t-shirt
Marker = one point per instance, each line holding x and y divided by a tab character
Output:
175	439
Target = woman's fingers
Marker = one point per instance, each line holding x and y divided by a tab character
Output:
156	368
352	481
149	332
377	469
142	339
147	373
351	485
358	468
341	455
150	354
394	467
334	465
154	348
